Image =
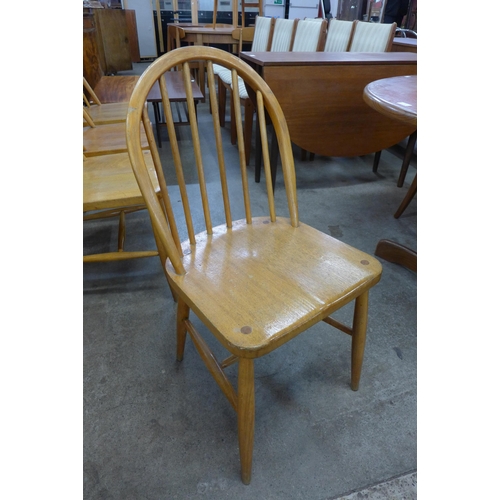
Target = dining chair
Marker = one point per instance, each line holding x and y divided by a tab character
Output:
309	36
107	138
338	35
260	36
371	37
113	112
257	279
110	190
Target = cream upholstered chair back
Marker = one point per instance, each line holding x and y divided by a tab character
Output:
371	37
261	37
309	35
284	30
338	35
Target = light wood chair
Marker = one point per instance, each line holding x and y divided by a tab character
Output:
111	190
255	281
113	112
107	138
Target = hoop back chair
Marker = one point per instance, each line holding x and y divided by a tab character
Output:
110	189
113	112
255	282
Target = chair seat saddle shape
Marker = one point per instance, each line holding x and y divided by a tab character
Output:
255	281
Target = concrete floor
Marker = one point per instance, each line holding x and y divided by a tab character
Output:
158	429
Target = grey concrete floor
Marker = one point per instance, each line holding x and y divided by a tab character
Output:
158	429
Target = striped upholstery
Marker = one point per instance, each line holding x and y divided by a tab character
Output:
282	36
338	35
372	37
259	43
261	34
307	36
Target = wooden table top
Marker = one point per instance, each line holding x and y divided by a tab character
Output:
404	44
201	28
175	87
326	58
394	97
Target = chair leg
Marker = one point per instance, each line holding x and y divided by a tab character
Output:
376	161
233	120
407	199
407	158
182	316
221	89
246	416
358	338
247	134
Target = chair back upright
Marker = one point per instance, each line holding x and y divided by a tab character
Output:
284	31
338	35
309	36
263	32
204	149
371	37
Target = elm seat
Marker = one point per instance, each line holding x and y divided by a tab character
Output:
255	280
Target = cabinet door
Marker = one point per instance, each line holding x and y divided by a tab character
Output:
112	28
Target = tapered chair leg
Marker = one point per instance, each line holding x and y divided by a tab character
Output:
246	416
358	338
407	158
182	316
247	134
412	190
376	161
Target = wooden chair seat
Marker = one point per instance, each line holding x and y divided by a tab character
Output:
271	302
110	190
113	112
108	138
109	182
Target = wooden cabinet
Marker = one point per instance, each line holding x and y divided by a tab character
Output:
106	47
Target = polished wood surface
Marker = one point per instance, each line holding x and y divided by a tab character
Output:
203	35
404	45
255	280
395	98
115	88
332	118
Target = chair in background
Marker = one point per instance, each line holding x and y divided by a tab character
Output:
252	4
111	190
371	37
113	112
338	35
106	139
309	35
255	282
260	36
